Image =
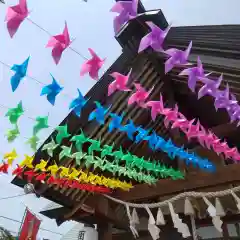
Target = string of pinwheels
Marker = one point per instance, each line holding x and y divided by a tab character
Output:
60	42
59	172
155	141
192	129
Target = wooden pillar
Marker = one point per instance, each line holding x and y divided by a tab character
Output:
104	231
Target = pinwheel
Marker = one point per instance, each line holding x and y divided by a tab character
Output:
59	43
79	140
66	152
33	142
41	123
129	129
14	114
99	113
95	146
107	151
12	134
20	73
119	84
10	156
51	90
78	103
92	66
50	147
62	133
154	39
78	157
116	122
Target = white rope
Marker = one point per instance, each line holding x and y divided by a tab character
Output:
176	198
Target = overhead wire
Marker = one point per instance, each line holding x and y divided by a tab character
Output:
18	221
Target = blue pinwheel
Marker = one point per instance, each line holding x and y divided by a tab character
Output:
20	73
99	113
153	140
116	122
130	129
78	103
142	135
51	90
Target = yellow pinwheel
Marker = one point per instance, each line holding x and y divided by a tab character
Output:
10	156
74	174
27	161
64	172
53	169
92	178
41	166
83	177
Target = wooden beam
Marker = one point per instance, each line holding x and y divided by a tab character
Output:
193	182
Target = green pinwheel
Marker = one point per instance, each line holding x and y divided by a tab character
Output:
128	158
79	140
99	163
95	146
121	171
41	123
33	142
50	147
12	134
107	150
78	157
118	155
66	152
14	114
62	133
89	160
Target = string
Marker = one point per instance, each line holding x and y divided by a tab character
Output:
37	25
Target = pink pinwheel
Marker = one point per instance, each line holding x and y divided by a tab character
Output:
171	115
59	43
120	83
92	66
127	10
193	129
177	57
15	16
140	96
218	146
156	107
181	123
193	74
153	39
210	87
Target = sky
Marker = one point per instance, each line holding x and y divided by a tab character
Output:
90	25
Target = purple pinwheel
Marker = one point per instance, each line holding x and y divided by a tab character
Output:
222	99
153	39
193	74
127	10
177	57
210	87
